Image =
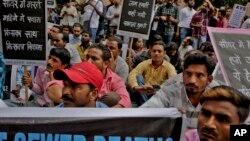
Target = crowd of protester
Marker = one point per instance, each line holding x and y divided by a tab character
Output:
173	68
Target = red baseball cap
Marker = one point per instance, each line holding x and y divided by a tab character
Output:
83	72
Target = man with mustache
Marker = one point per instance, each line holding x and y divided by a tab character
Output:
59	58
221	107
151	72
197	75
82	83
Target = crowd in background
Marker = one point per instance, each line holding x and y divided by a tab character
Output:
86	66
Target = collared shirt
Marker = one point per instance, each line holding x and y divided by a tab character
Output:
93	18
113	83
121	69
74	40
203	18
98	104
150	74
39	87
111	13
74	54
192	135
68	20
185	17
167	28
142	56
175	96
83	51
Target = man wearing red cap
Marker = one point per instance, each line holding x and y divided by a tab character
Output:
82	82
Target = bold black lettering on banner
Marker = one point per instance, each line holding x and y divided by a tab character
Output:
23	30
91	124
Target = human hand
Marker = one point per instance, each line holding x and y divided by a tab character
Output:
27	80
113	62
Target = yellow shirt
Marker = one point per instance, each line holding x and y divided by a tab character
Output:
150	74
83	52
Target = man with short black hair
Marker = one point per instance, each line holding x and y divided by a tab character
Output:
221	107
113	92
76	37
118	64
59	58
61	40
151	72
85	44
197	74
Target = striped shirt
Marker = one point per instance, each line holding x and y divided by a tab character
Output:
175	96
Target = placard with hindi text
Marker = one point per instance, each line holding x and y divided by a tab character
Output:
232	48
23	31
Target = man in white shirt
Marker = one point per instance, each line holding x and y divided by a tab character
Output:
68	14
185	17
113	14
92	11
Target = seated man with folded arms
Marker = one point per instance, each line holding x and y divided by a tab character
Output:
197	74
113	92
221	107
81	85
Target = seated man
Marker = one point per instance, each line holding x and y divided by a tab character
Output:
61	40
113	92
154	72
197	74
221	107
82	83
59	58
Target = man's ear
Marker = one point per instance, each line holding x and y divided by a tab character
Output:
210	79
107	63
93	94
64	66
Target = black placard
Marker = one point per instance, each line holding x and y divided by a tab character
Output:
23	31
135	19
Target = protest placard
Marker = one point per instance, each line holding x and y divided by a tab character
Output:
232	48
23	32
237	15
91	124
136	17
51	4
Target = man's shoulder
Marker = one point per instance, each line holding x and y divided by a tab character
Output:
121	63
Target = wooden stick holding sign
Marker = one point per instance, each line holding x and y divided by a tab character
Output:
129	56
26	88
